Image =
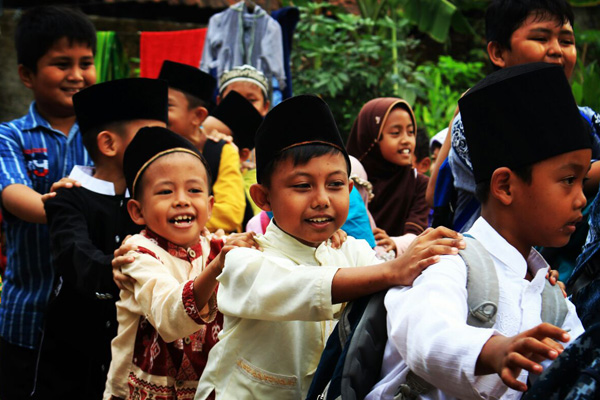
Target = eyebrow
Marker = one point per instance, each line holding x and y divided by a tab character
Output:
546	30
306	174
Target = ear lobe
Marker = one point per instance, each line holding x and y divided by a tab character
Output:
26	76
501	185
134	208
260	196
496	54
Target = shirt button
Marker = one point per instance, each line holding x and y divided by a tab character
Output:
187	340
191	253
108	324
117	239
179	383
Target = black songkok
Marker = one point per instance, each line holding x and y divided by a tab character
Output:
297	121
520	115
241	117
121	100
189	79
149	144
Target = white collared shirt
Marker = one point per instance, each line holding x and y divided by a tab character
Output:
85	176
427	323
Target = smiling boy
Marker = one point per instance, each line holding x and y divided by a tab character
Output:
279	304
55	50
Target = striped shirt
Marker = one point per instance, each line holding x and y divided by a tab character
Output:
34	154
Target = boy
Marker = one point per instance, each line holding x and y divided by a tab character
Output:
421	160
517	32
236	117
531	194
279	304
190	91
250	83
86	225
168	320
55	50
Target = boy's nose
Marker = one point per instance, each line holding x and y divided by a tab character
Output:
320	199
76	74
554	49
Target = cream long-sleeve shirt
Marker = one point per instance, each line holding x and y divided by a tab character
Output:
427	323
278	316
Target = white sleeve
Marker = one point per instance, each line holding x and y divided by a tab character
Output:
427	326
256	286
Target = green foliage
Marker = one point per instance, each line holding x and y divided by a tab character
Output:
349	60
446	81
110	60
586	78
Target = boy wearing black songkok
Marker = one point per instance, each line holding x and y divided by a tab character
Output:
531	191
86	225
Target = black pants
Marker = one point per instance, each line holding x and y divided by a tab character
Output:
17	371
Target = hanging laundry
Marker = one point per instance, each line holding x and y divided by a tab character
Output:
180	46
236	37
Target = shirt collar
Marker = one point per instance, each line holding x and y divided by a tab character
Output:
189	254
503	251
84	175
288	245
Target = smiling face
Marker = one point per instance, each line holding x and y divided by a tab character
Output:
64	70
309	201
548	208
397	140
540	39
174	200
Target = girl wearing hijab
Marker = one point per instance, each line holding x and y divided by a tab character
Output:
383	139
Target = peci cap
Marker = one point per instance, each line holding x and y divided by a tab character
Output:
521	115
148	145
121	100
188	79
297	121
245	73
241	117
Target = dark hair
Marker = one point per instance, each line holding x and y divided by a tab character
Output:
90	136
422	146
41	27
194	102
299	155
503	17
482	191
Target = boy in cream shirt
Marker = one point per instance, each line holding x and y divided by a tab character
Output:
279	304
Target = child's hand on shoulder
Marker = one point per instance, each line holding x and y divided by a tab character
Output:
507	356
338	238
425	250
122	258
382	239
233	241
65	182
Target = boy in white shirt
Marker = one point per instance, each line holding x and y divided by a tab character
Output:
531	195
278	304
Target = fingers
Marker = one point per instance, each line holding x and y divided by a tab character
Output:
125	248
47	196
441	231
219	233
205	232
508	376
546	330
552	276
245	239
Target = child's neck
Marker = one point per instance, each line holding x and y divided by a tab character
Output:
62	123
110	173
508	229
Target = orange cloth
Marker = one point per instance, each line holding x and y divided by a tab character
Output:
181	46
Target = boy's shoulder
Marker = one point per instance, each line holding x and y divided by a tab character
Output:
28	121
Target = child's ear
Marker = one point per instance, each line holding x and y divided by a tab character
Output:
26	75
135	212
200	114
106	143
501	185
350	185
260	195
496	54
211	203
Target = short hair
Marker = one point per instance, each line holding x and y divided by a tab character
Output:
504	17
195	102
422	144
41	27
482	190
299	155
90	136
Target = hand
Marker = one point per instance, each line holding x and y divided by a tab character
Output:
233	241
382	239
424	251
552	277
507	356
338	238
122	258
65	182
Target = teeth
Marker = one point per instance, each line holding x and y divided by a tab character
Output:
405	151
320	219
182	218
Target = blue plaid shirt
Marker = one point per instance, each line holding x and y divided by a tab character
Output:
34	154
